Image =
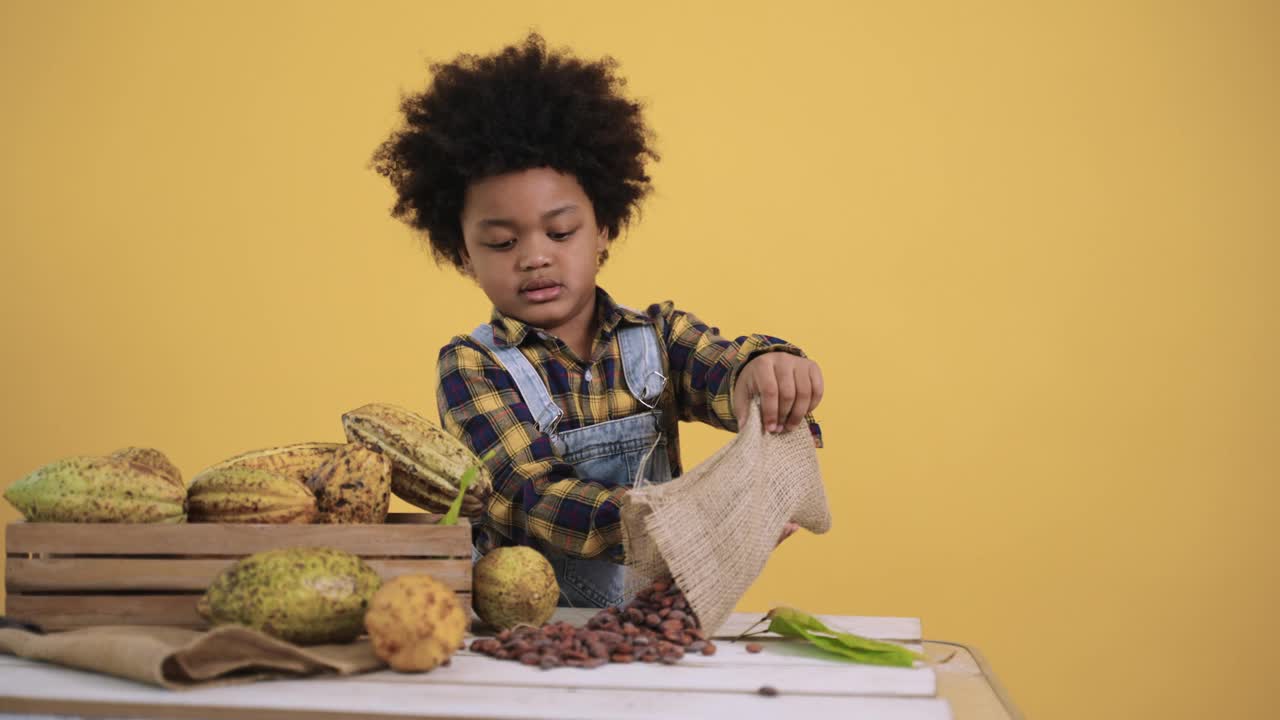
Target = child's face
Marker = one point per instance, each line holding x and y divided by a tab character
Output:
532	244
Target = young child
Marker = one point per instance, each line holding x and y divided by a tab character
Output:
522	167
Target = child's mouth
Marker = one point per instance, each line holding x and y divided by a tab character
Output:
542	294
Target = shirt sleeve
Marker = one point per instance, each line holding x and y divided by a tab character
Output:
704	366
537	498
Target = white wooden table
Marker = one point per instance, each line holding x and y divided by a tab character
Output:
956	685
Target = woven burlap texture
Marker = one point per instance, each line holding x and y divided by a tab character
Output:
179	658
713	528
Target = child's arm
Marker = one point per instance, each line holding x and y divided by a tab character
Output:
706	367
538	499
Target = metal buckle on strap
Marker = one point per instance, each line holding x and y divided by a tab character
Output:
557	444
645	391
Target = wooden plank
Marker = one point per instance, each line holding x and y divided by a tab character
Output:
227	539
61	612
90	573
64	612
418	518
455	574
40	688
693	674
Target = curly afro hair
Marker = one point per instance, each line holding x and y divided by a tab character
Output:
523	107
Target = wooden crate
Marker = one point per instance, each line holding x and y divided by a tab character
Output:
68	575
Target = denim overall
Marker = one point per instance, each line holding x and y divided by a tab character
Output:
628	452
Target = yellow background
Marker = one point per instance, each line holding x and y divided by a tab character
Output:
1033	248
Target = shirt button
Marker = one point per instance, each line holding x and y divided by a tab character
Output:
587	375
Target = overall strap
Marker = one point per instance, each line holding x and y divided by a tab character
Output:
642	362
545	411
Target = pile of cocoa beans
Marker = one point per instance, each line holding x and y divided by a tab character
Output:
657	626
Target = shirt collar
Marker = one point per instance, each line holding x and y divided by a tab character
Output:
510	331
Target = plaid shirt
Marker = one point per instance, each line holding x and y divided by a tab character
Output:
538	498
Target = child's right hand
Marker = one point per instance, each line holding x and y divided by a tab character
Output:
789	387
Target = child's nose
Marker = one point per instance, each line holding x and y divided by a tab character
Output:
534	255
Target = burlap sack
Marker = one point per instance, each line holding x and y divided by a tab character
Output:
178	658
713	528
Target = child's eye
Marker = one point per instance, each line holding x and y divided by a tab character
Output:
561	235
501	245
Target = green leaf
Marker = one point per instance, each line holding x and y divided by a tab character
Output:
464	482
793	623
790	622
901	657
451	517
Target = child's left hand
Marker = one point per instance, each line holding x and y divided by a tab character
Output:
789	388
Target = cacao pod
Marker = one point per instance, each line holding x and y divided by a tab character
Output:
416	623
354	486
249	495
298	461
428	462
154	459
97	489
304	595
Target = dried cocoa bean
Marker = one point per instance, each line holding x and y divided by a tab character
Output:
657	626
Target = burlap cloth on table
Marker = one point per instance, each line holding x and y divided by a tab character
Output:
713	528
177	658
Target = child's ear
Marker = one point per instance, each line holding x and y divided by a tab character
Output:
602	247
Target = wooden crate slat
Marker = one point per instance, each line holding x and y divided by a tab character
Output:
385	540
455	574
60	612
65	612
90	573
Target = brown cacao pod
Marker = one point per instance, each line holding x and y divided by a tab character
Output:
354	486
